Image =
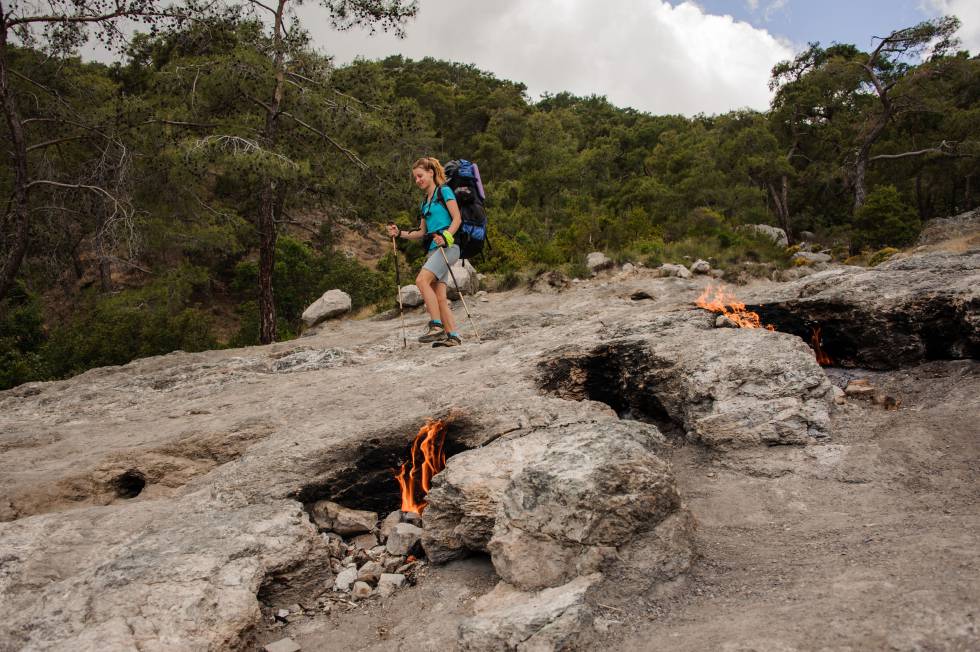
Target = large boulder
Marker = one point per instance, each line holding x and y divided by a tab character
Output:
724	387
410	296
465	277
945	228
598	261
333	303
904	311
567	510
551	505
700	266
774	233
669	269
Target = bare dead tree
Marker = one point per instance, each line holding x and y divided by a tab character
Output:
57	26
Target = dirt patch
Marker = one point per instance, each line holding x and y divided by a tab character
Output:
868	542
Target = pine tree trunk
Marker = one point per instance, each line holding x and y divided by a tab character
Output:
272	196
267	261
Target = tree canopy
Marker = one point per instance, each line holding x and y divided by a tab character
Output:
162	202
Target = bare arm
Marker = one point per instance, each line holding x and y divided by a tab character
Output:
394	231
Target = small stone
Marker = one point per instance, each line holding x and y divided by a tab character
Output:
885	401
282	614
361	590
295	609
724	322
370	572
403	538
282	645
388	583
335	545
377	551
364	541
839	397
390	563
345	579
628	268
860	388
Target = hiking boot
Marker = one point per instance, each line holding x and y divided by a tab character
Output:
435	332
452	340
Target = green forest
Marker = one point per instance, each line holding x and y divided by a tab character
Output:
163	202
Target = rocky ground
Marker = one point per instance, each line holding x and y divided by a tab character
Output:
628	476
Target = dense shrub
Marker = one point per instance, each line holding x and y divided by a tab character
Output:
166	315
300	276
21	337
884	220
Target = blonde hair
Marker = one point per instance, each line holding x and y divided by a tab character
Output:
433	165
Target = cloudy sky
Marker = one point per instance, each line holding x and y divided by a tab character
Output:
684	57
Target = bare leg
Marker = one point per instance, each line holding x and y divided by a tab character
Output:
444	309
425	280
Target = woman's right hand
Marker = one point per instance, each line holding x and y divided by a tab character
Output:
392	230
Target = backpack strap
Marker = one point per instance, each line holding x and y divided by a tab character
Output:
442	200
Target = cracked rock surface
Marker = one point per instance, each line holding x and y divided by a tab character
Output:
161	504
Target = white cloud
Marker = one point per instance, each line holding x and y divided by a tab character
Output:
968	11
646	54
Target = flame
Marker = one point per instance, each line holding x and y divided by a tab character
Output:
415	478
822	358
719	300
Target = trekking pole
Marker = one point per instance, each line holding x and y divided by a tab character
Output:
398	289
460	292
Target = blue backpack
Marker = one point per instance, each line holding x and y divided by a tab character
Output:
464	178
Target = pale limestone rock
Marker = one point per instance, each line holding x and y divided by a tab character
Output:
410	296
330	516
333	303
546	621
402	538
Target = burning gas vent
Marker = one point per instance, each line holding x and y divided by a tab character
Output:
428	457
387	473
733	313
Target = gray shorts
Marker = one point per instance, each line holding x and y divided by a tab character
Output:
437	264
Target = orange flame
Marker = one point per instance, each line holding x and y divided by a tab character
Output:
719	300
815	342
416	478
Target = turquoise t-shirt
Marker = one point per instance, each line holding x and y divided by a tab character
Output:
437	218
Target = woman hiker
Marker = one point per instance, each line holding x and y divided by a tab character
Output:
440	221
